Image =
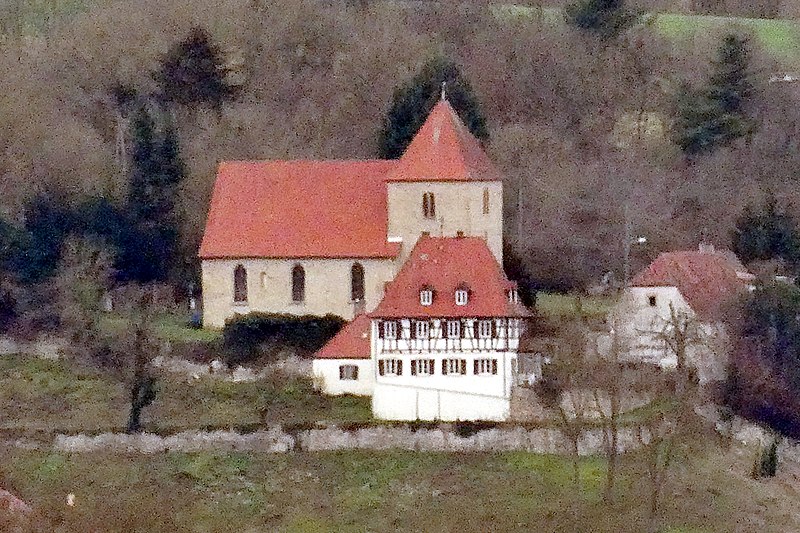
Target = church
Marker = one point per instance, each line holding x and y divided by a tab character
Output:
317	237
408	250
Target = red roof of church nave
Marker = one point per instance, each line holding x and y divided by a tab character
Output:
445	264
332	209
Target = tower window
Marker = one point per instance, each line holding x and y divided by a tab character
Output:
486	201
239	284
357	283
428	205
298	284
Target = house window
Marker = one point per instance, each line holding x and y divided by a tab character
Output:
298	284
512	296
651	300
263	280
485	329
390	367
389	330
422	329
513	328
454	367
357	283
486	201
426	296
348	372
239	284
483	367
453	329
428	205
422	367
462	297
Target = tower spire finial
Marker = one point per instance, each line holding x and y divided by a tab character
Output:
444	87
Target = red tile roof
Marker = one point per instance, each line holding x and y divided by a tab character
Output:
299	209
352	342
445	264
444	150
708	281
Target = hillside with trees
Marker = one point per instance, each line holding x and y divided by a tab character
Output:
581	123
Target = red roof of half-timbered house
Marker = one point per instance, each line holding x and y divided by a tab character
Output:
444	265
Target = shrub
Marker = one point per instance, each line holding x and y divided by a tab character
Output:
766	464
466	429
244	335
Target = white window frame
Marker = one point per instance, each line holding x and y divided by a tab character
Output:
454	367
425	297
485	329
422	329
485	366
348	372
513	328
390	367
390	330
512	296
453	329
462	297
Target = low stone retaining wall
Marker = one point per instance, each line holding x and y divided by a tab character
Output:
275	440
272	441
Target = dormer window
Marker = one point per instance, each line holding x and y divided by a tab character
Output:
426	296
462	296
513	296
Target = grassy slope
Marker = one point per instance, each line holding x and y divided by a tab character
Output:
382	491
779	37
45	396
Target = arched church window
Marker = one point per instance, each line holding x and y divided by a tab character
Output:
357	282
239	284
298	284
428	205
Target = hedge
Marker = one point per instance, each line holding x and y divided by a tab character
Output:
244	335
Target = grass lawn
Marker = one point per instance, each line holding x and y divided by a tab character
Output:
44	396
379	491
167	326
554	305
778	37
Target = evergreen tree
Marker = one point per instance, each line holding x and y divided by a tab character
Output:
413	101
716	115
605	18
766	234
149	240
193	72
48	221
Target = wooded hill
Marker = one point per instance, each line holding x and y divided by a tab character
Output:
579	126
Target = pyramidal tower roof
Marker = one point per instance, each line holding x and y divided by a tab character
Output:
444	150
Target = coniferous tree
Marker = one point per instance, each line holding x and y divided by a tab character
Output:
766	234
413	101
605	18
150	239
193	72
716	115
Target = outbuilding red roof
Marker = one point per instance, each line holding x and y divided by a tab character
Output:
299	209
444	150
443	265
708	281
352	341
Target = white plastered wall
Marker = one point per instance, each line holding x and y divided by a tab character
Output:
326	377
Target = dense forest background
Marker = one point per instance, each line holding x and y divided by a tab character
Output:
581	127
